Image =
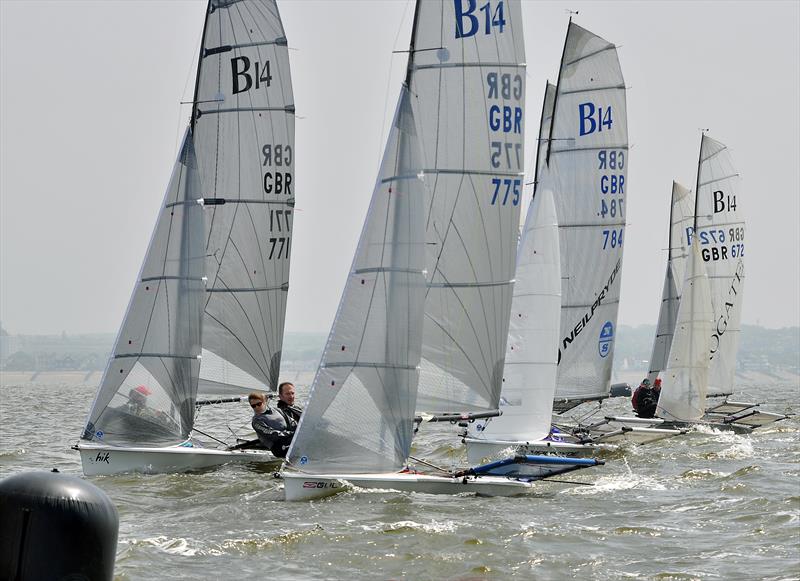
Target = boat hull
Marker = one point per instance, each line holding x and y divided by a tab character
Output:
480	449
99	460
299	486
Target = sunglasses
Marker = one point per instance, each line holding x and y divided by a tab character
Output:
257	404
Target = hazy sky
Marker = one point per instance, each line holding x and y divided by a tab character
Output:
90	118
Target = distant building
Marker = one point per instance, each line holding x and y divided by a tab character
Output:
8	345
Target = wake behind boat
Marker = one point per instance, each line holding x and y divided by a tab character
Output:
206	316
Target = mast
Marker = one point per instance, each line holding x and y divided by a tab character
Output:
193	118
538	139
558	85
411	44
697	185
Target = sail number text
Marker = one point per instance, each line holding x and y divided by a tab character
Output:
719	244
244	78
505	188
612	192
277	156
469	18
594	118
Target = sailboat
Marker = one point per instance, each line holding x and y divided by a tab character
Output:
586	161
702	349
531	367
421	327
206	316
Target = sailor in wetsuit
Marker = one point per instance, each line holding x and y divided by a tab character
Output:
274	429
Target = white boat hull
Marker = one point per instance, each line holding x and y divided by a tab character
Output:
99	460
479	449
299	486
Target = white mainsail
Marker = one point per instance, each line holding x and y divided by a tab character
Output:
214	279
685	379
681	224
529	381
587	165
468	83
243	120
719	229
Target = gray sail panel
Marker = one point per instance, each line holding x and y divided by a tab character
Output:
530	371
587	163
685	382
467	79
244	127
721	234
148	390
665	329
681	220
360	413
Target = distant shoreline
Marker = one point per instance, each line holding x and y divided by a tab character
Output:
304	378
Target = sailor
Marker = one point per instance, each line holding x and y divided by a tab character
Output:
273	429
286	401
645	398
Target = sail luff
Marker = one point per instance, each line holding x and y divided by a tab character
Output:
148	388
360	413
529	380
677	251
193	116
558	85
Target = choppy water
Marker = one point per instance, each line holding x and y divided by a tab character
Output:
708	505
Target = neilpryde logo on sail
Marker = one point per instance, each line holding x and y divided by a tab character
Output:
606	338
584	321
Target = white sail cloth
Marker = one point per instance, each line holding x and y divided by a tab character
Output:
529	381
587	165
148	389
468	86
217	265
685	381
360	413
244	138
681	220
721	236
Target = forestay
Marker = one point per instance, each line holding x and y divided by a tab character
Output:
720	233
148	389
530	368
685	381
681	222
243	121
587	163
468	92
360	412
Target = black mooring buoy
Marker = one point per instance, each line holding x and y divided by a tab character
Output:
54	526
